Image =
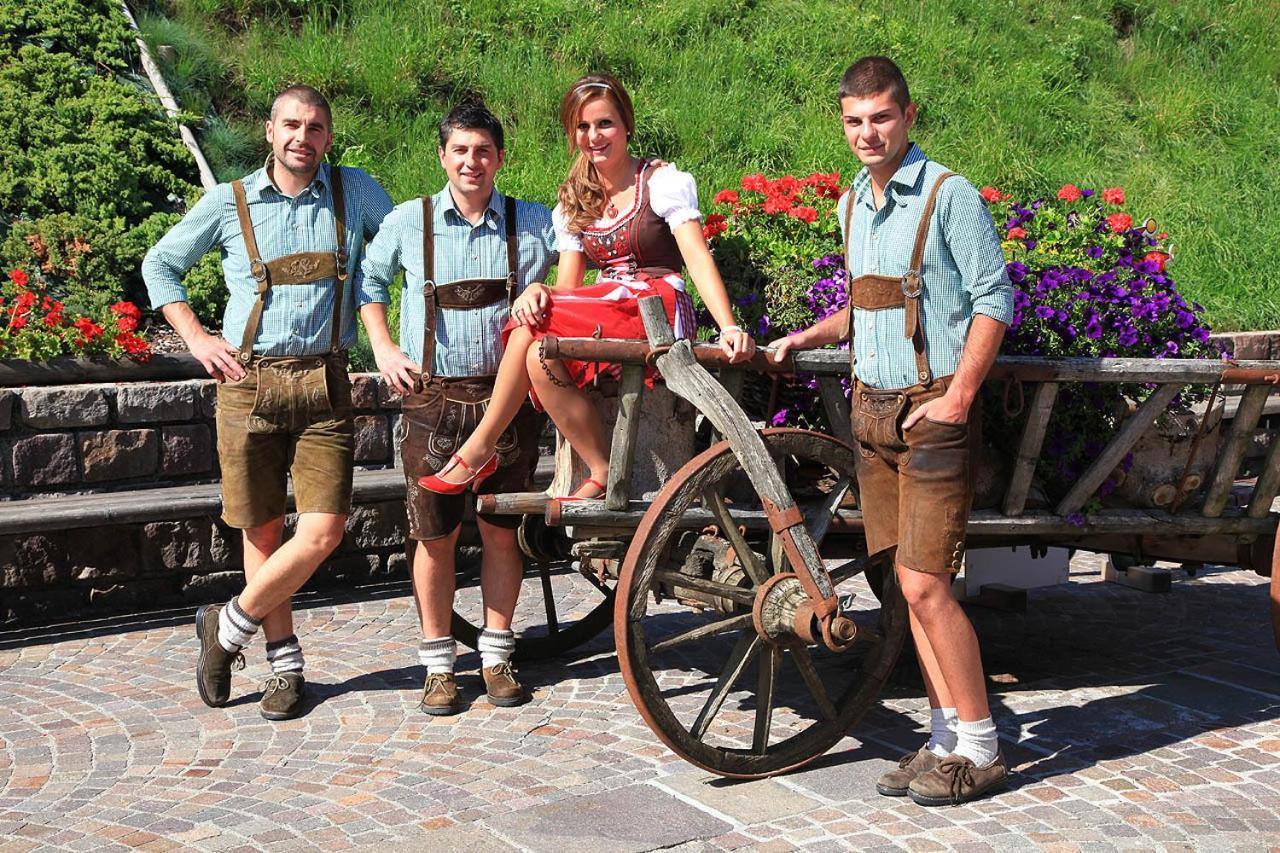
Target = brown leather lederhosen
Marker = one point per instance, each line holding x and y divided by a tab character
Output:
439	415
295	268
874	292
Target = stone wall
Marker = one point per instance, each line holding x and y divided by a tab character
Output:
111	436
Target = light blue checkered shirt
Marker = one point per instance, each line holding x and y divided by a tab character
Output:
297	319
963	269
468	342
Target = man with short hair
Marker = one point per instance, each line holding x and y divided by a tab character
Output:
466	253
291	235
930	302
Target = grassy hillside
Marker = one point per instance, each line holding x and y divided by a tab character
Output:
1177	101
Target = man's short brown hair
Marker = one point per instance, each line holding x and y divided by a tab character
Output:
872	75
306	95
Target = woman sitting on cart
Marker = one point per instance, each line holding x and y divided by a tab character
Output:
638	221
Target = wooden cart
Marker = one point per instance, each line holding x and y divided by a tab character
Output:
751	629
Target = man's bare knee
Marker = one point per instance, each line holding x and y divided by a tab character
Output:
924	591
265	537
321	531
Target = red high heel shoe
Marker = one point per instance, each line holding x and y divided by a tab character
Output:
590	481
433	483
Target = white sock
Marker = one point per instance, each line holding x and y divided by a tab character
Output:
977	741
285	655
235	627
495	646
942	731
438	655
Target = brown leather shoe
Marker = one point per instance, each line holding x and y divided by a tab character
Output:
213	670
440	695
895	782
282	696
501	686
956	780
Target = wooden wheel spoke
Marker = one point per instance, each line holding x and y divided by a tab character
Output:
733	593
710	629
777	554
804	663
765	684
549	599
747	647
820	521
713	501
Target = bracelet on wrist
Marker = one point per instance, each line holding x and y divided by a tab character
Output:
730	328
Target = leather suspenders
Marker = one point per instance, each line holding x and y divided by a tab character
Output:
464	293
296	268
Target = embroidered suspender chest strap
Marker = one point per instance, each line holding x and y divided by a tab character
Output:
464	293
296	268
874	292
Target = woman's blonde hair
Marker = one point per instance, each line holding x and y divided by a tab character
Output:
582	197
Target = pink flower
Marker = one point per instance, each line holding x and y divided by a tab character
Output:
1070	192
1016	233
1120	222
726	197
990	194
1113	195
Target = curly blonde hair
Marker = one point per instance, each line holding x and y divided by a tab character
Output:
582	196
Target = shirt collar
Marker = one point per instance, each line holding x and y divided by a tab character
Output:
495	211
261	181
905	180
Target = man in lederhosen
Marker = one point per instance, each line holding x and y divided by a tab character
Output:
930	302
466	252
290	235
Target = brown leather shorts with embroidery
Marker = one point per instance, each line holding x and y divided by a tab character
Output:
286	416
915	486
435	422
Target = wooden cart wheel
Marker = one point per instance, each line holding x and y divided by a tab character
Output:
558	613
725	690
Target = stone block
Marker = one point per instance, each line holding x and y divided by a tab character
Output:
104	553
397	565
64	407
6	408
364	391
377	526
373	444
154	402
207	398
119	454
397	436
226	547
45	460
388	397
175	544
33	560
132	595
186	449
215	586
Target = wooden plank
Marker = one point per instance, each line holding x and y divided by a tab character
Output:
1233	451
836	405
1264	492
733	380
1116	449
622	451
1015	498
167	503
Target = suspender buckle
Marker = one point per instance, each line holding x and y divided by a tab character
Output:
258	270
912	284
429	288
340	263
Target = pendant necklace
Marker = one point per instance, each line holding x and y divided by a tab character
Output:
611	210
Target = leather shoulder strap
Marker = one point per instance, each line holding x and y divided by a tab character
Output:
428	288
513	251
340	255
922	230
246	224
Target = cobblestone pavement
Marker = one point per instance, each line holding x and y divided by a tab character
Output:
1134	720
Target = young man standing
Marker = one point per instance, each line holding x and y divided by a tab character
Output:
929	301
466	253
290	235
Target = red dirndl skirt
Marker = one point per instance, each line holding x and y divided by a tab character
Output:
610	308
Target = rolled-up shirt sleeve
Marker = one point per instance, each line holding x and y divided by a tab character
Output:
381	261
179	250
975	246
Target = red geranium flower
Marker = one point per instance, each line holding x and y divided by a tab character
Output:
714	225
18	277
776	204
1017	233
804	214
1070	192
18	322
726	197
126	309
1120	222
1160	258
1113	195
88	329
756	183
990	194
